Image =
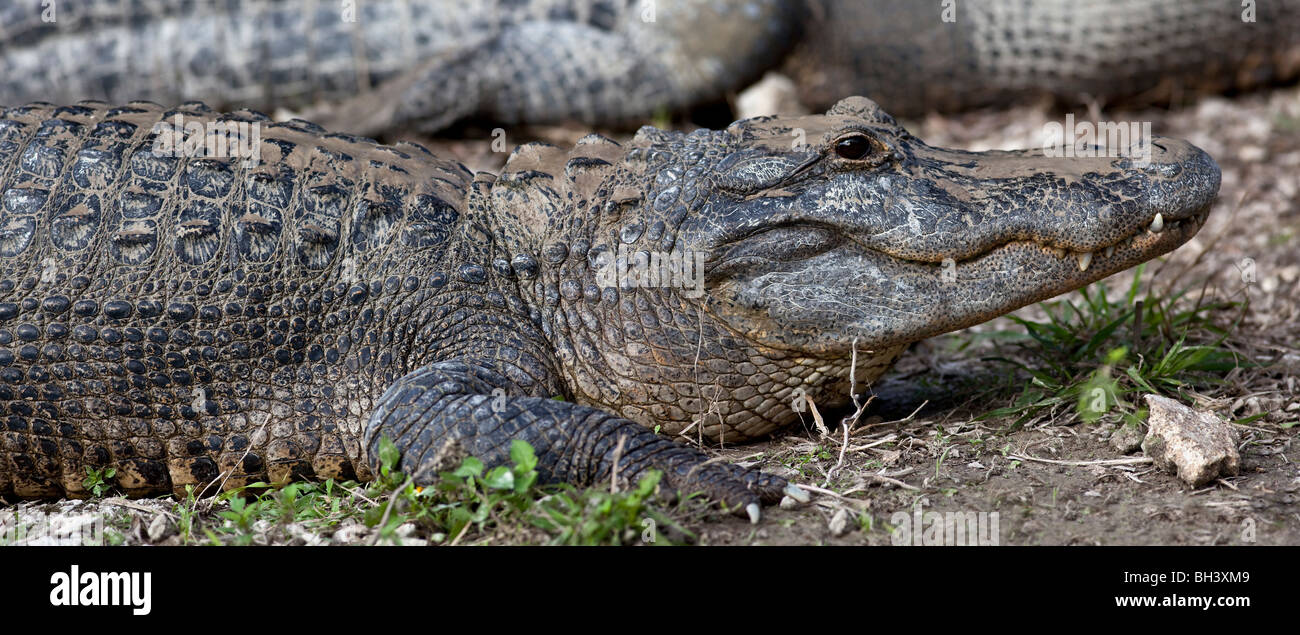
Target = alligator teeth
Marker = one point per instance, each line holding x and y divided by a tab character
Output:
1085	259
1110	251
1157	223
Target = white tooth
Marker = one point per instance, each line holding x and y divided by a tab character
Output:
1158	223
1110	251
1085	259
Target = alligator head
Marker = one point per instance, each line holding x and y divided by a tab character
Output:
820	238
867	233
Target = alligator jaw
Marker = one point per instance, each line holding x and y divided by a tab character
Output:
1158	238
882	301
1022	272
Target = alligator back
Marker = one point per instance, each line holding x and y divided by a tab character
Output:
181	310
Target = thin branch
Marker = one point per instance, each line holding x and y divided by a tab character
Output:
1132	461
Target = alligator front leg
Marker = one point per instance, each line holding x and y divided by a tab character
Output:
448	410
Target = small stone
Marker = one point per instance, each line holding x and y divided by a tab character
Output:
1252	153
302	536
350	534
840	523
1196	445
158	529
1127	438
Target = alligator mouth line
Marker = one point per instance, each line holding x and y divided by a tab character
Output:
1158	233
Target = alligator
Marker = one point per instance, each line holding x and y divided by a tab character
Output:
194	320
400	65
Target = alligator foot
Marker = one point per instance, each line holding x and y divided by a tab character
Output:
449	410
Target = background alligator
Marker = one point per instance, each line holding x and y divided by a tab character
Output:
190	319
994	52
439	61
385	65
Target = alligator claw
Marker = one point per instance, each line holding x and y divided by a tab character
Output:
797	493
755	513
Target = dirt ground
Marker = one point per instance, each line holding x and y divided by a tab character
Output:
942	459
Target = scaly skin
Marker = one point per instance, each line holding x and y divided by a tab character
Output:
189	320
396	65
911	60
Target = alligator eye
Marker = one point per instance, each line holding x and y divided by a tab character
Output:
853	148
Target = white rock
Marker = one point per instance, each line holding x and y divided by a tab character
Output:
840	523
350	534
1196	445
158	528
303	535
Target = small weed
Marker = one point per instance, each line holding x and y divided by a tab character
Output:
472	503
1287	123
865	522
99	481
1092	355
185	515
801	461
938	464
662	118
1281	238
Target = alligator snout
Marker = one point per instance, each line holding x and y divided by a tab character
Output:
957	206
1183	179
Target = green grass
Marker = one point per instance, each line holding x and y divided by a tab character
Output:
99	482
1282	237
1094	354
1287	123
801	462
471	504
